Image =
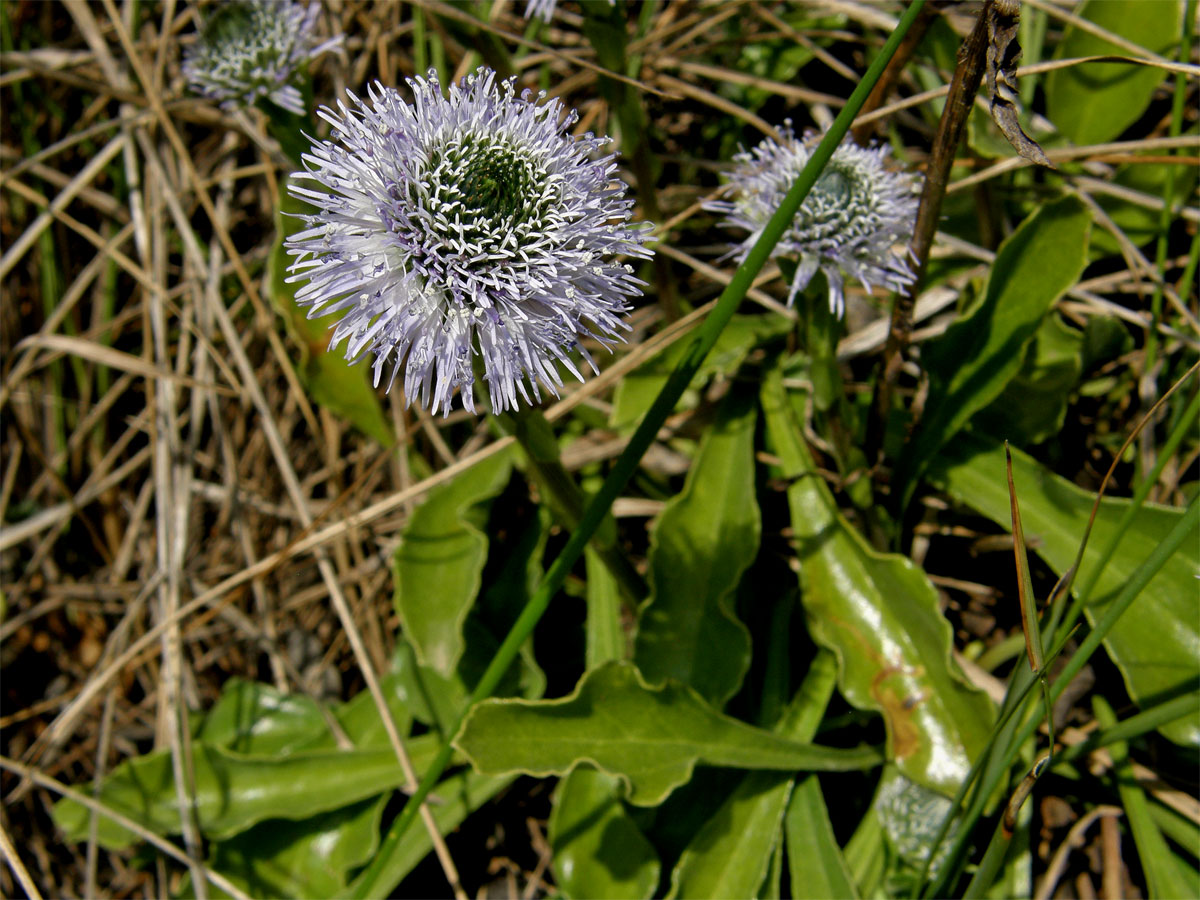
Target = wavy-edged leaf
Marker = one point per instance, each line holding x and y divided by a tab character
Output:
980	353
651	737
233	792
706	537
879	614
598	849
438	565
1156	648
1094	102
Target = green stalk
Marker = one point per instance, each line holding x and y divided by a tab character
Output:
374	880
1164	216
567	501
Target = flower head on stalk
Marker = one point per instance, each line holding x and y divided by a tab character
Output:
254	48
545	8
849	224
460	226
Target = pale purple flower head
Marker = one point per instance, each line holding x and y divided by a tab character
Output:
856	221
249	49
462	226
545	8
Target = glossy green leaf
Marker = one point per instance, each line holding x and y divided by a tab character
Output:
815	862
651	737
817	868
1033	406
308	858
880	615
331	381
637	390
981	352
706	537
598	849
731	853
233	793
1095	102
434	699
1156	647
438	565
252	718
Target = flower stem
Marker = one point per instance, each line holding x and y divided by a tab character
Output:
375	880
567	501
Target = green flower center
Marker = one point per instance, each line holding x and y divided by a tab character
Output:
495	183
231	22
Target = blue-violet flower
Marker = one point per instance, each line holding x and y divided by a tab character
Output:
472	224
249	49
850	224
545	8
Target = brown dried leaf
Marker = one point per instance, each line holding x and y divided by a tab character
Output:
1003	51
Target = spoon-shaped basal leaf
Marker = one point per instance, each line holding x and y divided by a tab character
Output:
879	613
650	737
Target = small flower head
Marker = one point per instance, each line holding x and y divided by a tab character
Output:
254	48
849	224
463	226
545	8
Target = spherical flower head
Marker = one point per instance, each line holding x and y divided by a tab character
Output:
851	224
461	227
545	8
254	48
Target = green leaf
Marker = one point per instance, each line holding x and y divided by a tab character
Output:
1094	102
706	537
1033	406
814	860
1140	224
232	792
332	381
981	352
438	565
434	699
1156	648
254	719
651	737
308	858
880	615
731	853
605	637
598	849
637	390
